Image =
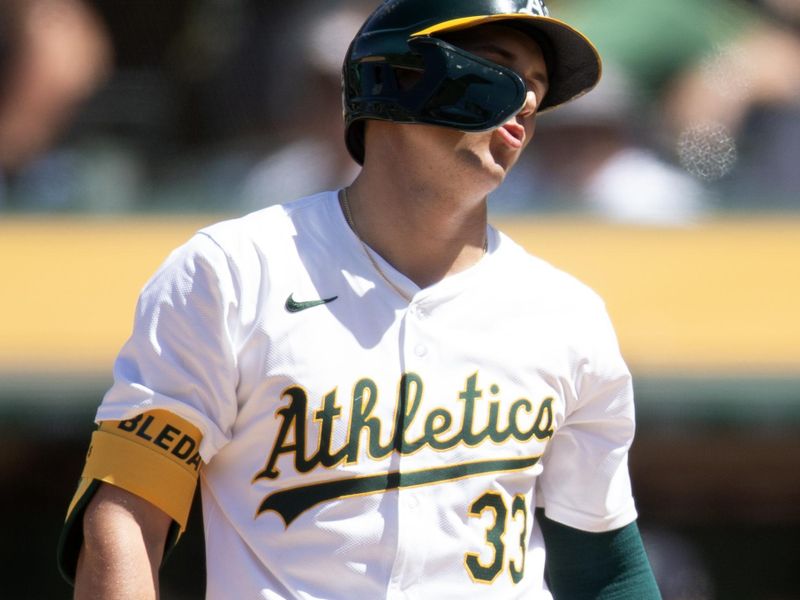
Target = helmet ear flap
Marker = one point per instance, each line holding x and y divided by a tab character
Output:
354	140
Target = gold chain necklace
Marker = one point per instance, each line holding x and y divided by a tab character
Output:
348	215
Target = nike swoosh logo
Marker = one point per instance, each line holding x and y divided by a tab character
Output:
293	306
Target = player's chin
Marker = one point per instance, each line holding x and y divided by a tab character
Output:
487	160
503	157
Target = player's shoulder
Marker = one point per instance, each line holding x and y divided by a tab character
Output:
272	225
545	280
233	247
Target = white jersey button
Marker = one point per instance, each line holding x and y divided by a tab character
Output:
419	313
421	350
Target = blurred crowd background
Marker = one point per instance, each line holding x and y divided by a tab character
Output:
118	106
143	109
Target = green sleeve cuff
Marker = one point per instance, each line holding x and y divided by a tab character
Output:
611	565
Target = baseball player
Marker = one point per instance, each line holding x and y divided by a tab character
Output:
381	395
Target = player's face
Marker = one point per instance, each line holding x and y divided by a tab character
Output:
501	147
478	162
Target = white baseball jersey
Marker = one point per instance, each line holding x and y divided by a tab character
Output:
358	446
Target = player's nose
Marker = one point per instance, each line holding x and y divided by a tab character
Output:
530	105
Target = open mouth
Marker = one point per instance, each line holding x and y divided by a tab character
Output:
513	134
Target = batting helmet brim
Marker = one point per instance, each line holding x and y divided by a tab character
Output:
576	67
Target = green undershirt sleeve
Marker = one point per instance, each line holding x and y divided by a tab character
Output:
611	565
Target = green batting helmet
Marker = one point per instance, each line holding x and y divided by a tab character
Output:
397	69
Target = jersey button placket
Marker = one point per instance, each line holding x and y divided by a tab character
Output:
415	327
410	559
412	552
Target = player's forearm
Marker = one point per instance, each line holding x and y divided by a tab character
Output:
117	576
122	548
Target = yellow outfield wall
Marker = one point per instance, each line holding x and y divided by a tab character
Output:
722	298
